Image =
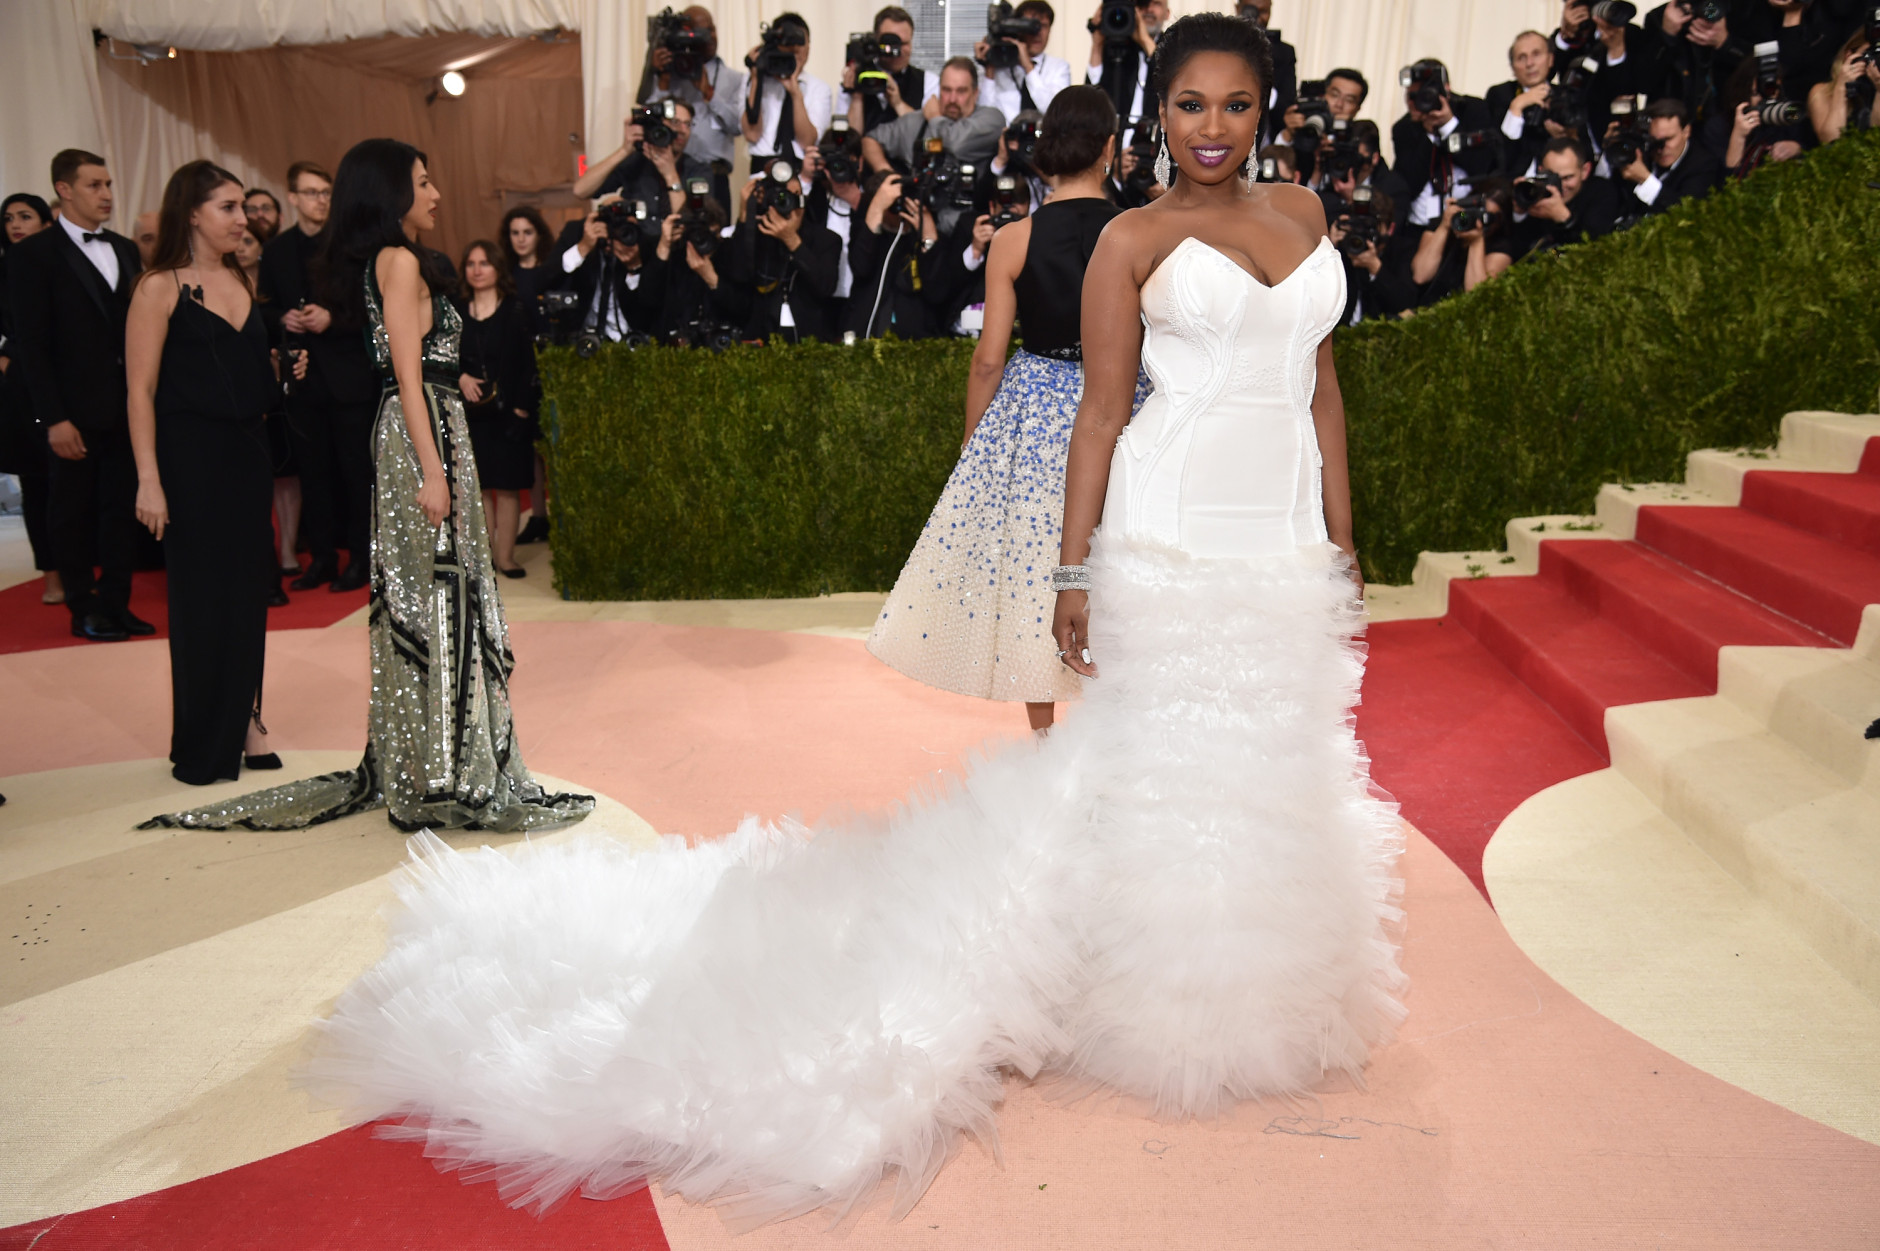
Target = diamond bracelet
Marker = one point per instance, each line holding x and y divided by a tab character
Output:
1070	578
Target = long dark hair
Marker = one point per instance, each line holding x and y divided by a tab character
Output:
40	208
371	195
189	188
528	213
505	285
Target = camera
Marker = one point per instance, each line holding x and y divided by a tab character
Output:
655	123
1468	141
1779	113
1340	154
1317	115
1615	12
1566	103
1530	191
704	332
1117	22
701	218
1471	214
773	190
1001	26
690	49
870	54
560	310
1022	134
1768	69
628	221
1148	139
1270	171
1359	221
940	182
1634	138
1426	85
1010	198
776	58
838	160
1703	10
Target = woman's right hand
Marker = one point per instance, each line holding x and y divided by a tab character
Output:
1070	626
434	498
153	509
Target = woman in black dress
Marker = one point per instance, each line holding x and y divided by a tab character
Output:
528	246
499	393
201	383
22	443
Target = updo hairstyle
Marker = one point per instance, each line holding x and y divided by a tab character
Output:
1075	128
1211	32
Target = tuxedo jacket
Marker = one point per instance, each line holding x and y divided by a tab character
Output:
1697	174
771	275
1416	154
340	369
68	328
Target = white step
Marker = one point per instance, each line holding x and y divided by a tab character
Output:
1612	900
1799	836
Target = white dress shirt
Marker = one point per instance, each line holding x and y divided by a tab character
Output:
1049	75
838	222
1094	76
100	253
771	97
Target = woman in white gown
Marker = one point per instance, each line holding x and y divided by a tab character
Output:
1186	893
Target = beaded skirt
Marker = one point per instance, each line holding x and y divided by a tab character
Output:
972	609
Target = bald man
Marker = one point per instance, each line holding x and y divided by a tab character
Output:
715	91
144	235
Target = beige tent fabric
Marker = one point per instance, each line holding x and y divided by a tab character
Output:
238	25
258	111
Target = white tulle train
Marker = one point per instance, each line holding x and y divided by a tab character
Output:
1185	893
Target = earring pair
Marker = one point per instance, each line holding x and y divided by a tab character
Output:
1165	172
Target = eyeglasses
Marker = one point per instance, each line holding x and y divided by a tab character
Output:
325	193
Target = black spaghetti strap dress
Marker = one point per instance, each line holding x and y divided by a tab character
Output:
213	395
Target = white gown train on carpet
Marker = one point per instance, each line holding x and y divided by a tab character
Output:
1186	893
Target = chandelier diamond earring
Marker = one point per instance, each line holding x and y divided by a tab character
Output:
1251	171
1164	168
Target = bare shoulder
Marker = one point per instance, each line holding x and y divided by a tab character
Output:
396	263
1010	242
1130	240
1295	204
156	290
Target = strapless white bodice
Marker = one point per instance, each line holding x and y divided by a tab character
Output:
1223	460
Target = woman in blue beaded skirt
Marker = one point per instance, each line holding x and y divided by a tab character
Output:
971	611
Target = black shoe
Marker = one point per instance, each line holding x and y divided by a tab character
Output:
135	625
356	576
517	572
319	573
535	531
99	628
277	598
269	761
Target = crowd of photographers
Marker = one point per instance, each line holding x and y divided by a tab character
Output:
867	205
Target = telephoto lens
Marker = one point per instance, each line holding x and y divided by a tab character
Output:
1779	113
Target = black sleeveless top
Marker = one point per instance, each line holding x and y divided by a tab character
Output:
1050	286
211	369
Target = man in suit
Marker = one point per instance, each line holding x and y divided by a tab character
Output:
70	290
1122	69
330	414
1577	205
1285	89
1677	170
621	282
790	265
1445	147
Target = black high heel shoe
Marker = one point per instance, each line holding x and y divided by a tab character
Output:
267	761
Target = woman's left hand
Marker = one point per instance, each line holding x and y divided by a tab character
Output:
1070	626
153	509
434	499
471	388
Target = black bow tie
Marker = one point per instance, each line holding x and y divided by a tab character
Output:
87	236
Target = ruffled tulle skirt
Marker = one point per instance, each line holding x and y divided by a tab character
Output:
1186	893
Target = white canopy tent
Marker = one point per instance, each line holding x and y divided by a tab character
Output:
55	96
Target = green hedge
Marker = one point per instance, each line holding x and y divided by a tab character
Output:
1610	362
801	470
756	472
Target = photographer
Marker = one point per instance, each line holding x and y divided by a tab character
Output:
786	259
1013	159
1444	142
1761	130
1377	263
651	164
682	64
1691	54
890	86
785	109
1808	35
618	275
1025	78
1850	99
1522	104
967	131
1455	255
1285	88
1560	203
1119	58
889	254
1352	163
1668	167
702	306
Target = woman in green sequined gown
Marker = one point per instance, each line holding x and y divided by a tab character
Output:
441	749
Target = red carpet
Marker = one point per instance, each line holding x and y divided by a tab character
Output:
350	1192
27	625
